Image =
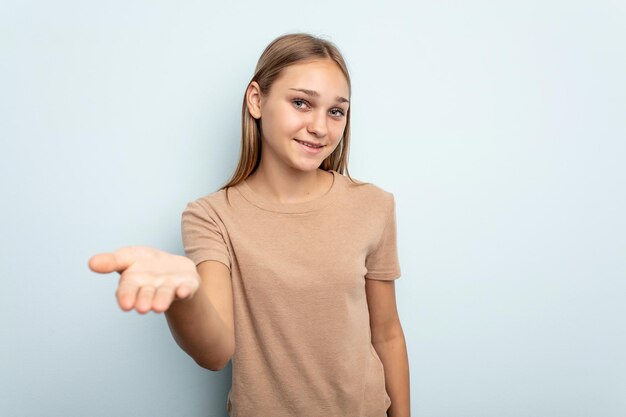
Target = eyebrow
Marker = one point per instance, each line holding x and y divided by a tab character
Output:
313	93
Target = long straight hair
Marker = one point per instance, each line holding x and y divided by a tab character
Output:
286	50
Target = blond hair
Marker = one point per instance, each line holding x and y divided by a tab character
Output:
286	50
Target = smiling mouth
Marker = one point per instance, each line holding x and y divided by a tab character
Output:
310	145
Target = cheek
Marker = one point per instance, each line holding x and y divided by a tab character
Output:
337	131
283	123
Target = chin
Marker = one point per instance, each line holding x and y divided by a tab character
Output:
306	167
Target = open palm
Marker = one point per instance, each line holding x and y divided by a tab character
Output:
150	279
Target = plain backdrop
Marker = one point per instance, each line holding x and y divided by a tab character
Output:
499	127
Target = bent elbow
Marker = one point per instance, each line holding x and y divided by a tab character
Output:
212	365
217	362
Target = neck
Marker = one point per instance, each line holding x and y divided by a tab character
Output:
287	185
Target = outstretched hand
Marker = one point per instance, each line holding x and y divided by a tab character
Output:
150	279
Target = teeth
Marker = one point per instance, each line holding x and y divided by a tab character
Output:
306	144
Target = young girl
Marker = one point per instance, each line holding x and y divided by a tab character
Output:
290	267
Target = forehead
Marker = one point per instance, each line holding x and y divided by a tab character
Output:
323	76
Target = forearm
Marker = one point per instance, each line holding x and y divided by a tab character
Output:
393	354
199	330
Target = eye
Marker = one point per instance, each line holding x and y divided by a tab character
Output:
296	101
340	112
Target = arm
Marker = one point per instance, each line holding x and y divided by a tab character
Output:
198	302
203	326
388	340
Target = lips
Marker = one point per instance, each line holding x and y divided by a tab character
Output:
316	145
310	150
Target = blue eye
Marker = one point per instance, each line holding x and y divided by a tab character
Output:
296	102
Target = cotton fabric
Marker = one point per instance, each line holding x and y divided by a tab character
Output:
302	335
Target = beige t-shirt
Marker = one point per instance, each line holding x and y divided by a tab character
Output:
302	333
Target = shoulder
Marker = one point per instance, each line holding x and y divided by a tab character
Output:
209	203
369	194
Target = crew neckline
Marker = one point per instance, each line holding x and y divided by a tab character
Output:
264	203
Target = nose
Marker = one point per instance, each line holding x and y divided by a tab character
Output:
318	124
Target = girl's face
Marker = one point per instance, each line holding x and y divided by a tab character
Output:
307	103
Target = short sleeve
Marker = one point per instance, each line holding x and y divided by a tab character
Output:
382	262
202	238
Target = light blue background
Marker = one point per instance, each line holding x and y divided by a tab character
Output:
499	126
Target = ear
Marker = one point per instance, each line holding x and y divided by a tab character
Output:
253	99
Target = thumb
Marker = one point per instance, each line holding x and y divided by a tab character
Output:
107	262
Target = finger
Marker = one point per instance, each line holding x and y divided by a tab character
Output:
144	299
183	291
119	260
102	263
126	295
162	299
